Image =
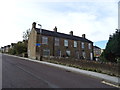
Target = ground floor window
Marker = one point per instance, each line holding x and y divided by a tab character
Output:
77	54
91	56
46	52
84	55
58	53
67	53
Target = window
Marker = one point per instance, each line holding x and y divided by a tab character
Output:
46	52
58	53
89	45
84	55
44	40
82	44
91	56
56	41
77	54
67	53
75	43
65	42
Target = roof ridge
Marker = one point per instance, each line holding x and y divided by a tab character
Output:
64	35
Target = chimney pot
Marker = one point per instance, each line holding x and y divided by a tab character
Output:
55	29
71	32
83	36
34	25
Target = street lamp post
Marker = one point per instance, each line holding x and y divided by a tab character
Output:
40	28
118	29
40	51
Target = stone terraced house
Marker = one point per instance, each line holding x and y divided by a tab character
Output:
47	43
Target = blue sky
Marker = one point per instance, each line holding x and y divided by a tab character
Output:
95	18
101	44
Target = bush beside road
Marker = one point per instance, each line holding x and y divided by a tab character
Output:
100	67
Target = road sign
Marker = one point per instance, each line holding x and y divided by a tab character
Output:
38	44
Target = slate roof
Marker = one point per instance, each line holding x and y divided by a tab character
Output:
97	47
62	35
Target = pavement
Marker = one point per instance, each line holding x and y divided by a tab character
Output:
111	80
1	71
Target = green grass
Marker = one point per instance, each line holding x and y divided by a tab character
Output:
83	68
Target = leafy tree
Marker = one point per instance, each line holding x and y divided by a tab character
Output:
12	51
20	48
112	50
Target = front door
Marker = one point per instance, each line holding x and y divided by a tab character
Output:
91	56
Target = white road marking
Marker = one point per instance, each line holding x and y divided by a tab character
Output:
104	82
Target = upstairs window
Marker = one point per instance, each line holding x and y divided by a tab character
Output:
44	40
56	41
83	45
89	45
75	43
66	43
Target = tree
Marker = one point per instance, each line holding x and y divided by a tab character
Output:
112	50
26	34
12	51
25	40
20	48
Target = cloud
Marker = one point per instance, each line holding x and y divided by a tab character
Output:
70	1
97	19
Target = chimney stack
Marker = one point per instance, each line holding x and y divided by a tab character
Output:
83	36
33	25
71	33
55	29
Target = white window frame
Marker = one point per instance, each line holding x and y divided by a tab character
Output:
84	54
91	56
66	43
75	43
44	40
89	45
57	41
58	53
83	45
68	52
46	50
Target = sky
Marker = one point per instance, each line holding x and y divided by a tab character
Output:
95	18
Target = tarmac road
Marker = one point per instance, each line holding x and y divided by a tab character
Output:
19	73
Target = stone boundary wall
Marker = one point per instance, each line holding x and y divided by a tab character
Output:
101	67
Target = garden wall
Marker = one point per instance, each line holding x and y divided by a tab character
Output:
101	67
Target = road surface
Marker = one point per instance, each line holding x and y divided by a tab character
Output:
20	73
